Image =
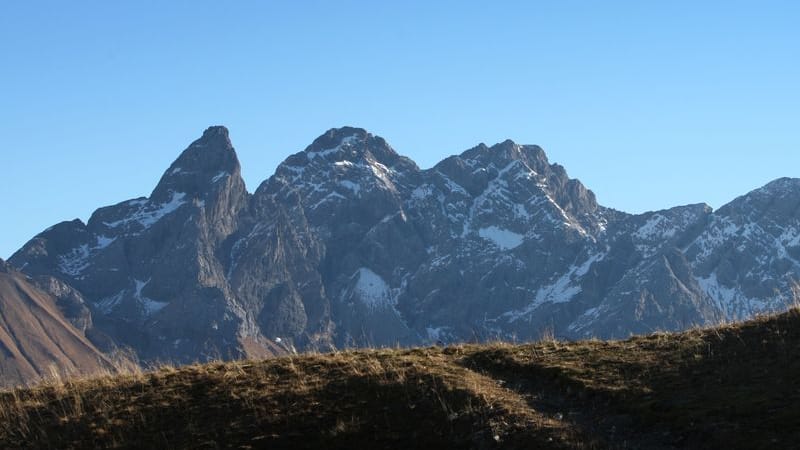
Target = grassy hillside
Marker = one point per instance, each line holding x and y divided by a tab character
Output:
729	387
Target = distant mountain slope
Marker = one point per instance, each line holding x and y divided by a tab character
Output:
349	243
728	387
36	340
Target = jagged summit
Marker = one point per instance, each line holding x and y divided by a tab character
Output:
506	152
474	168
342	163
518	177
354	145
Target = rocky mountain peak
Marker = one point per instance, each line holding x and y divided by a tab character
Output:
4	267
353	145
504	153
526	168
474	167
216	131
342	163
202	166
335	137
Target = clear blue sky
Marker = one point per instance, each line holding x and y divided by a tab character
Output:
650	104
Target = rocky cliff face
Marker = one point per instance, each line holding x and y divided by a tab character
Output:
351	244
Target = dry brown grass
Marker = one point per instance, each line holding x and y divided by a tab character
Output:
387	398
731	387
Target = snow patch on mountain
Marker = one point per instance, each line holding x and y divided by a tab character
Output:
371	289
354	187
78	259
566	220
148	213
103	242
656	227
438	334
346	141
790	237
586	319
384	174
562	290
734	303
503	239
74	262
149	306
720	230
495	192
106	305
327	198
422	192
521	212
451	185
219	176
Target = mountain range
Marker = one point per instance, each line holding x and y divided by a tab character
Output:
350	244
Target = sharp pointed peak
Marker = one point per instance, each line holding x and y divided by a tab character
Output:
215	137
215	130
202	163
